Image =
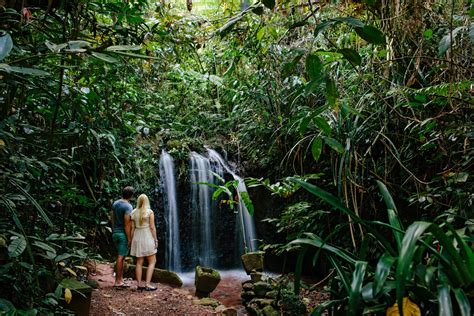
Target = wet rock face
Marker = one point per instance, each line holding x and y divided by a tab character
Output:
253	262
206	280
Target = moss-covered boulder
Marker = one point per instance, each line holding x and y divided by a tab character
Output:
206	280
159	276
253	261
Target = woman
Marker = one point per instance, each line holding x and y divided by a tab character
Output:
144	242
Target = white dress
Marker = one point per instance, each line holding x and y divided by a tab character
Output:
143	243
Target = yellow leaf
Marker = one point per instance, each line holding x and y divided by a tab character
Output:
67	295
82	268
71	271
2	142
62	264
409	309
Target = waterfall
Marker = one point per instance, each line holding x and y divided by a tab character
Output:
201	211
168	183
246	227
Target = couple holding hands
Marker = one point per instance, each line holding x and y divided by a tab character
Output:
134	229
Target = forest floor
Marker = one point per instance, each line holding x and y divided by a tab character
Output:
167	300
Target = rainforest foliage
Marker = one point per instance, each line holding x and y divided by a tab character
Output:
356	115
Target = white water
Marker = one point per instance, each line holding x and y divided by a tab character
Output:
168	182
247	225
202	211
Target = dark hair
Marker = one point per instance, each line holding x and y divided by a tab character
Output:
127	192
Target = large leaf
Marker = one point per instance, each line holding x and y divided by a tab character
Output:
314	66
315	241
323	125
6	45
23	70
392	213
334	144
381	272
331	92
269	3
446	41
444	301
16	247
33	201
247	201
356	287
316	148
348	20
351	55
463	302
116	48
371	34
105	57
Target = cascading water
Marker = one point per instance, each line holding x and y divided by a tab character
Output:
201	211
247	226
168	183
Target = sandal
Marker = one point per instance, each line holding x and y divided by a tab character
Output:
123	285
150	288
141	288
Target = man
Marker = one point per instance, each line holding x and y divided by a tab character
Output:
121	234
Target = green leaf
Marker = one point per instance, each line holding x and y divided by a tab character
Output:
16	247
323	125
44	246
392	213
6	45
444	301
356	287
351	55
261	33
315	241
428	33
33	201
116	48
334	144
463	302
382	271
331	92
314	66
247	201
299	270
105	57
269	4
55	48
316	148
304	124
371	34
7	306
341	273
445	42
23	70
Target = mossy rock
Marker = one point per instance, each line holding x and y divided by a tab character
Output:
253	261
206	280
159	276
207	301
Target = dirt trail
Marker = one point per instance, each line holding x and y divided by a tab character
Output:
166	300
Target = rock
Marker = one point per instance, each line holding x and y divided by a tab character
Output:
159	276
230	311
207	301
247	295
253	261
270	311
272	294
206	280
262	302
261	288
247	281
256	276
92	283
248	286
220	309
253	310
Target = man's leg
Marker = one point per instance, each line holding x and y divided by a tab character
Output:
119	270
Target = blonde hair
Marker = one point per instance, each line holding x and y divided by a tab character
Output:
143	204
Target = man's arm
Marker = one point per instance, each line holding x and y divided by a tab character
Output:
128	228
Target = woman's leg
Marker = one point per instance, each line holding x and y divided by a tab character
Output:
139	269
151	266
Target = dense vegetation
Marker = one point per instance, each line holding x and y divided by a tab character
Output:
356	114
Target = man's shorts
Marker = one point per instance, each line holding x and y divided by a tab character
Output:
121	243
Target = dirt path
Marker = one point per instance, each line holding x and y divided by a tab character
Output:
166	300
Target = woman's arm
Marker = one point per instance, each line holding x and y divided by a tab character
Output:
131	233
153	228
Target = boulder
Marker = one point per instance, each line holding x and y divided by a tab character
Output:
207	301
271	294
159	275
225	311
247	286
256	276
270	311
261	288
247	295
253	261
206	280
262	302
